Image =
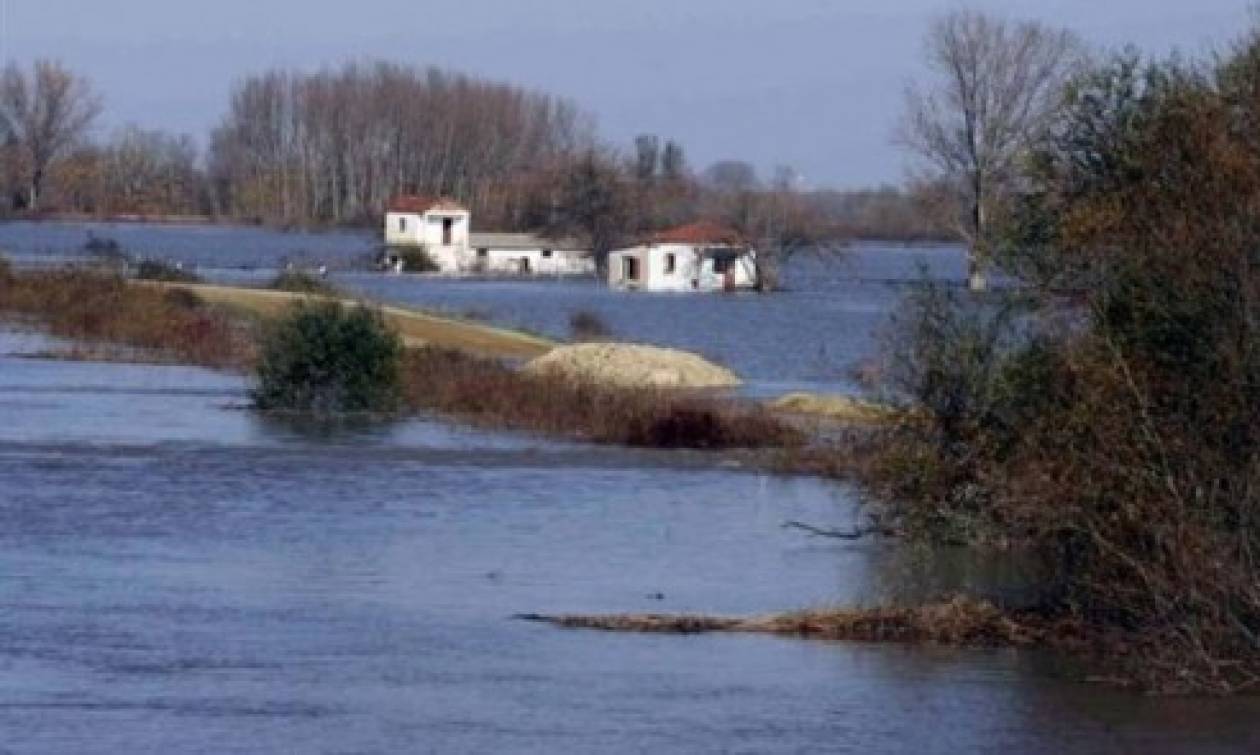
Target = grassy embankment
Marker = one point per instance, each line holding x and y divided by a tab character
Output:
417	329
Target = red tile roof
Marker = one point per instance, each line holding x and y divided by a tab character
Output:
421	203
702	232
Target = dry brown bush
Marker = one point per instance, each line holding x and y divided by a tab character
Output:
490	393
90	306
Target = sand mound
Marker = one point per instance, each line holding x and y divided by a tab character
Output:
634	366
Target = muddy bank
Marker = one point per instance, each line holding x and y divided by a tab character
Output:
961	621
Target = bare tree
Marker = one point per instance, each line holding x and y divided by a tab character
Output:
151	172
45	114
334	146
594	204
996	86
731	176
784	221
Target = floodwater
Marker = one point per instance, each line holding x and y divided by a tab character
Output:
178	575
808	337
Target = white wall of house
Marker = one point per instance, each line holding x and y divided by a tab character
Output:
540	261
442	232
682	267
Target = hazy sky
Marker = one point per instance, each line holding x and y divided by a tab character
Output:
815	84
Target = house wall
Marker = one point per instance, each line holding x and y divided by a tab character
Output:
533	261
743	273
427	230
403	229
691	270
618	276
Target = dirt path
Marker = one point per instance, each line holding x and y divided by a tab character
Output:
416	328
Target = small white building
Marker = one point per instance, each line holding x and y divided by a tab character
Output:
442	228
695	257
439	226
529	254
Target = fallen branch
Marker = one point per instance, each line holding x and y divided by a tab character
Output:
958	621
856	533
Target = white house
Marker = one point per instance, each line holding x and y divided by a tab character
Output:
442	228
439	226
696	257
528	254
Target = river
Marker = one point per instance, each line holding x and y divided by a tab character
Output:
179	575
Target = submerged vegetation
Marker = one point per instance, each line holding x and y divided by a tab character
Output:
97	307
301	282
489	393
164	272
585	325
416	259
325	358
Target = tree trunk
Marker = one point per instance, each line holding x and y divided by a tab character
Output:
976	254
37	179
976	280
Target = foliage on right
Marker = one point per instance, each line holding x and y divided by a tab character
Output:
1109	420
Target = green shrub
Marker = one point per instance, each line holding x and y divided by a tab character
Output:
585	325
156	270
298	282
107	252
325	358
417	260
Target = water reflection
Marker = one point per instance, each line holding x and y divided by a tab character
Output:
909	574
